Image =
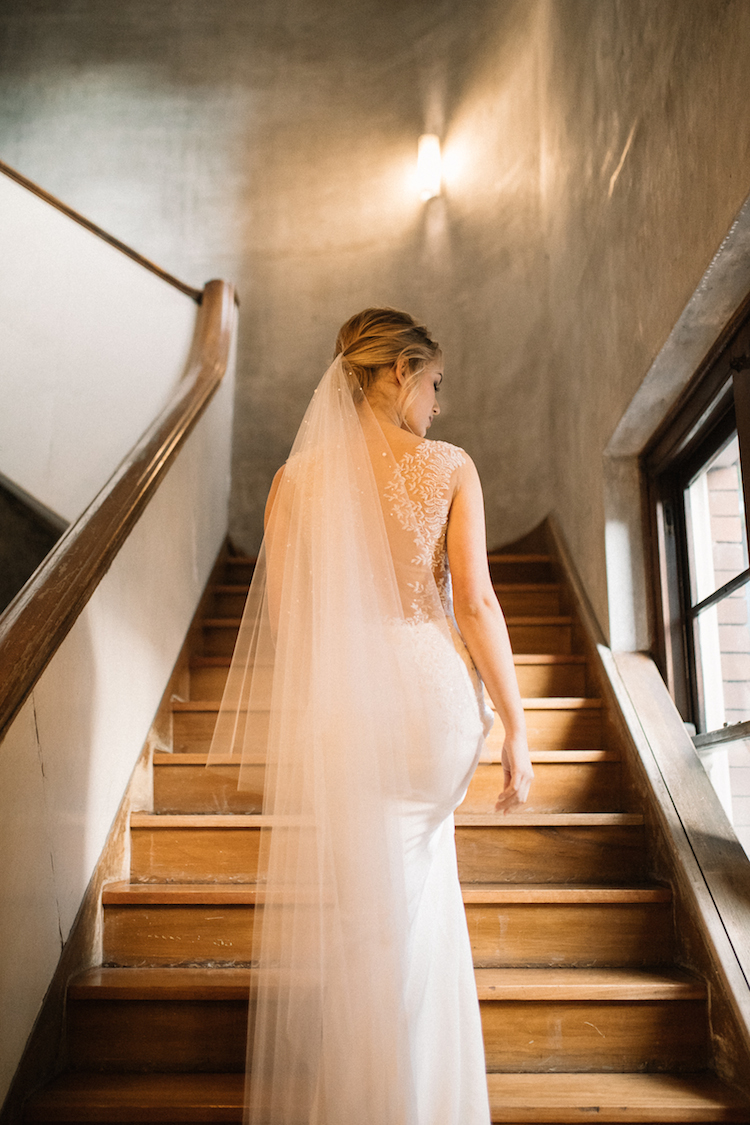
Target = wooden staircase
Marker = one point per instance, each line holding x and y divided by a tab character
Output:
585	1014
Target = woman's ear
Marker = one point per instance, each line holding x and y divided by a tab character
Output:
401	369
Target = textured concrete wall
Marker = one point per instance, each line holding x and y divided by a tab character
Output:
598	151
646	152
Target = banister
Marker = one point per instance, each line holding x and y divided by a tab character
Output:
39	618
35	189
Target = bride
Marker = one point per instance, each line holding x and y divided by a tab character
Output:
370	626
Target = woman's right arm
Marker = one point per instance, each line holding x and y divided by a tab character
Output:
482	625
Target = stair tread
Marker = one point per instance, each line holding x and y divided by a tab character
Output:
533	1097
566	757
626	1097
521	619
194	983
530	703
122	893
82	1096
462	820
587	984
535	984
543	587
198	660
556	820
529	557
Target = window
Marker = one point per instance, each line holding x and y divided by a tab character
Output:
697	508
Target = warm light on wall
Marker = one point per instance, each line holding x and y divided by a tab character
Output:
429	166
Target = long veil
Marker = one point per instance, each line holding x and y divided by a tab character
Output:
333	687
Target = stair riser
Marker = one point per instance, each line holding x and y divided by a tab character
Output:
192	731
534	680
586	1035
607	853
556	730
527	603
227	605
505	572
547	730
219	640
241	574
195	789
178	935
558	787
535	934
581	787
547	680
577	935
541	638
601	854
207	683
158	1035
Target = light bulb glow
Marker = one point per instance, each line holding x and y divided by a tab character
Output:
429	166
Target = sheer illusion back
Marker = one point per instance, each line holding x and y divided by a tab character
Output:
351	683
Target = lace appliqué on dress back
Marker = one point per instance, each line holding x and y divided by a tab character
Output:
420	496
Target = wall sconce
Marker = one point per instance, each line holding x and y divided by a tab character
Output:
429	166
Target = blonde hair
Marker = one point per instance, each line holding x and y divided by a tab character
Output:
380	337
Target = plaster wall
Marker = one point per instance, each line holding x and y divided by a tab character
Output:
66	760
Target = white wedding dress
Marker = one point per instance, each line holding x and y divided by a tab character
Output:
351	682
442	1009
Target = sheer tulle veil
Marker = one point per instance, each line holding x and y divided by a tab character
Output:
326	691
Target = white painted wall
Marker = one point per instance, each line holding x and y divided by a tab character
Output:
84	368
66	761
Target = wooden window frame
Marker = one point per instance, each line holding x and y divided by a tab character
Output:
716	402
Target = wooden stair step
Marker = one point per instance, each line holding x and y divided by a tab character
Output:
535	984
81	1096
616	985
553	634
576	1098
552	724
238	570
196	983
178	1019
534	703
228	600
506	568
529	597
168	758
532	847
565	781
233	821
561	784
121	892
527	634
538	674
510	924
514	1098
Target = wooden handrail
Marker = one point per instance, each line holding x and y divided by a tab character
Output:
12	174
39	618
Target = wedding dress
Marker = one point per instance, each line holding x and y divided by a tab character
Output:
351	682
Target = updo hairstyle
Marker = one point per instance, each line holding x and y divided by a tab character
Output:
377	338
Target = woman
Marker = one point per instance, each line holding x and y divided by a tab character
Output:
356	679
